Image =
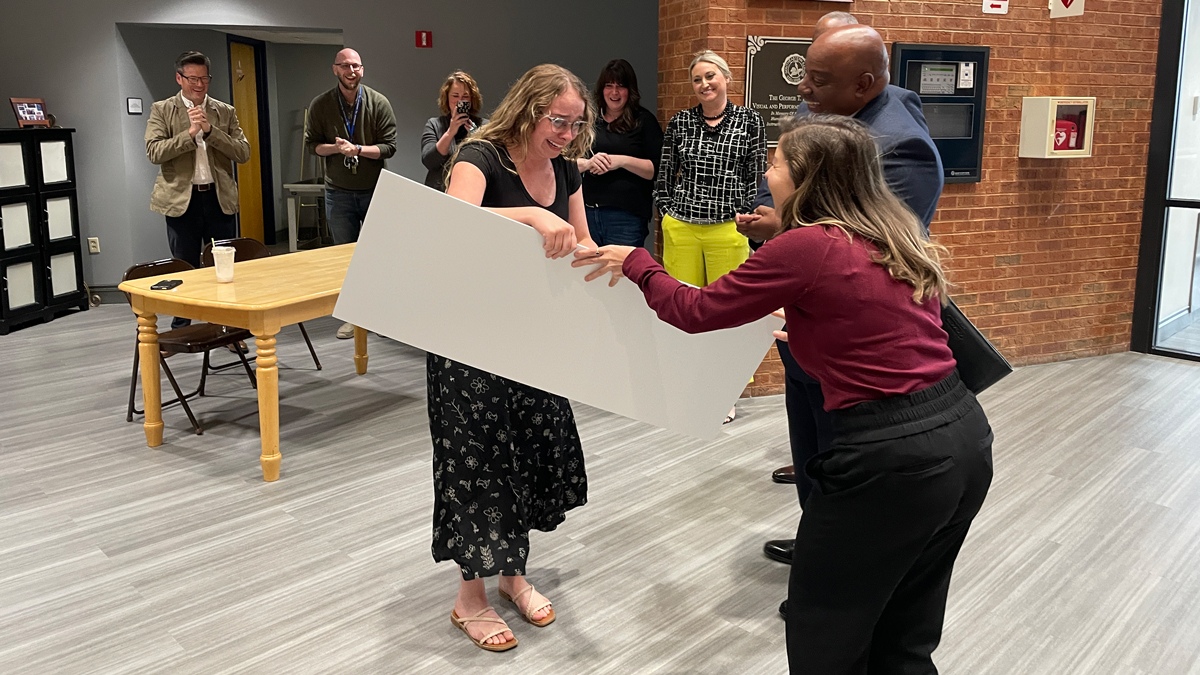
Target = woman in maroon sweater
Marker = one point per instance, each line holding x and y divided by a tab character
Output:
911	459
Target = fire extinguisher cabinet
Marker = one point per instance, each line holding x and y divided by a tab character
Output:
1054	126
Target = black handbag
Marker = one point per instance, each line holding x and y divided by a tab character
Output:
980	365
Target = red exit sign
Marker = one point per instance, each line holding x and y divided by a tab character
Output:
424	39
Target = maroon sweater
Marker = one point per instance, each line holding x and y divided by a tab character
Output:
852	327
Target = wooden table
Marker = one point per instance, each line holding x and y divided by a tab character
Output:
265	295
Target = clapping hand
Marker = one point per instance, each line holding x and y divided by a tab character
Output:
198	121
346	147
607	259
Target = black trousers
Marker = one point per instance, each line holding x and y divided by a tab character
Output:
810	427
203	221
894	499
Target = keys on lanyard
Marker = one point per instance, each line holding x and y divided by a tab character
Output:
351	162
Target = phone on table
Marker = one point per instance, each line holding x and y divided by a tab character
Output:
166	284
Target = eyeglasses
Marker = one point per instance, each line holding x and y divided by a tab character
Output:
197	79
349	66
558	124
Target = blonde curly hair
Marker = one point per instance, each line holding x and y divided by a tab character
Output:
525	104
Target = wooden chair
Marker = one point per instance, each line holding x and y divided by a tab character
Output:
252	249
193	339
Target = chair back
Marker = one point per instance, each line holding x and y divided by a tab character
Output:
156	268
244	249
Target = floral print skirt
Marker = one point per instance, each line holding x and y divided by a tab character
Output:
506	460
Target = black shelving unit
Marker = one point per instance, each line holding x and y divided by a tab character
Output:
41	253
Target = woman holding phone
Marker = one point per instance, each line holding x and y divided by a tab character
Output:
460	103
911	461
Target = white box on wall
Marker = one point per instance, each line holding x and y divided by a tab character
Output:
1057	126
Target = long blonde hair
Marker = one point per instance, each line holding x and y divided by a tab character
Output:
834	163
524	106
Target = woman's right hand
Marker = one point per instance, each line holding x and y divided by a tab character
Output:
457	122
558	234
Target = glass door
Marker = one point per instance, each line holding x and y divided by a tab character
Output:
1166	317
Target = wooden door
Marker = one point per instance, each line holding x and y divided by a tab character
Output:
249	175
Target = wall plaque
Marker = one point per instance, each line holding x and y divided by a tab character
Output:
774	66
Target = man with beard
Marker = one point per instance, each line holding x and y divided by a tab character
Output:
353	127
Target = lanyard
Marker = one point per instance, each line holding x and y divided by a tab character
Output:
353	121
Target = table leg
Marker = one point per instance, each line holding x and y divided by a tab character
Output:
151	382
268	405
360	350
293	226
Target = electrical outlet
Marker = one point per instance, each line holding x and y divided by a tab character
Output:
93	244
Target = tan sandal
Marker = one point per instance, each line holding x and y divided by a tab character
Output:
482	642
527	613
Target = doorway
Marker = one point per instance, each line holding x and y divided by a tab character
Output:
1166	317
281	71
248	82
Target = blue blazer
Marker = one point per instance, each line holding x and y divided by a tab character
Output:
911	164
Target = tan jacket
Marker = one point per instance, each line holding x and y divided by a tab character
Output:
169	145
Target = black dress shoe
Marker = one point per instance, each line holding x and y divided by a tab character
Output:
780	550
784	474
783	610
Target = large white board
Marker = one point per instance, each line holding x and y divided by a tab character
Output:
460	281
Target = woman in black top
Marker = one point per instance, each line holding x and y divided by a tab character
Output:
443	134
618	179
506	456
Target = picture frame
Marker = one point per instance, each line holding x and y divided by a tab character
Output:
30	112
133	106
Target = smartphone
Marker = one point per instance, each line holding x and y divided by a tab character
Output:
166	284
462	107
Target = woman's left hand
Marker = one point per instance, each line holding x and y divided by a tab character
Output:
608	260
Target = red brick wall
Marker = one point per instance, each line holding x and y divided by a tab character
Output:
1043	252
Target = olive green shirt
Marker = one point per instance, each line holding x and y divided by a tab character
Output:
375	125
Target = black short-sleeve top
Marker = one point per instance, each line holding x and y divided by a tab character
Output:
504	186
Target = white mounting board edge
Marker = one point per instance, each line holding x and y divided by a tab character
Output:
462	282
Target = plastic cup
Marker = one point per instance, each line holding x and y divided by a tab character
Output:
223	259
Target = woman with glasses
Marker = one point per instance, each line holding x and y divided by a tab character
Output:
618	177
460	103
712	157
506	456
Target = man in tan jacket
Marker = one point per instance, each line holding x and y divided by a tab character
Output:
195	139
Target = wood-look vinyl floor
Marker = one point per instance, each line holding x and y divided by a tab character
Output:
118	558
1186	340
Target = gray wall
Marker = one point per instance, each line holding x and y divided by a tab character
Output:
91	69
146	70
302	72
